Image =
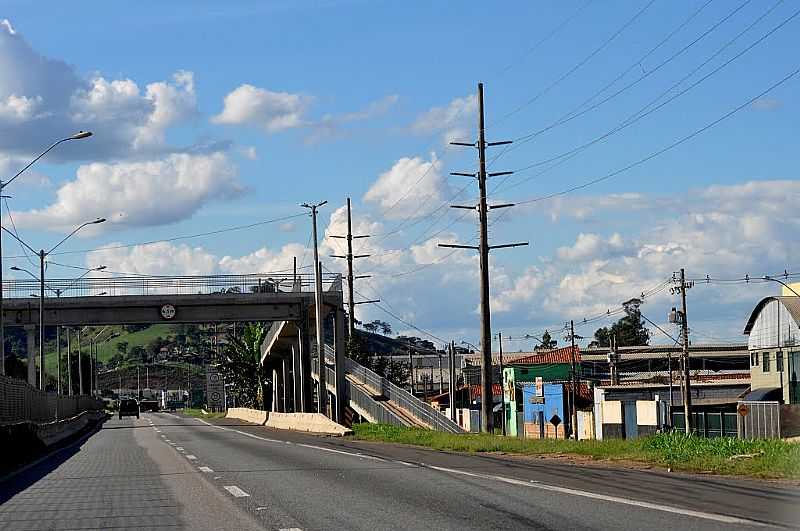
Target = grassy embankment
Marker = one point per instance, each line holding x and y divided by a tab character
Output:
107	349
767	458
194	412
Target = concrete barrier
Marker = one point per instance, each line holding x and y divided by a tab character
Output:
51	433
310	422
256	416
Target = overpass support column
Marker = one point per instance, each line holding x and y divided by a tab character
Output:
339	348
276	385
305	356
286	382
297	377
30	334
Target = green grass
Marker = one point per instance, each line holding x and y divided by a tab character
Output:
194	412
105	350
775	459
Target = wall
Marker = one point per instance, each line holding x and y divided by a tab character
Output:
549	405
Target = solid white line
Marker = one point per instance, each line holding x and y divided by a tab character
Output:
190	457
179	448
205	469
236	491
354	454
614	499
290	529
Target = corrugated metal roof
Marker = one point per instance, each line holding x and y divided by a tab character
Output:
792	305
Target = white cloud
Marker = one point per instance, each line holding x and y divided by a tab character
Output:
42	97
411	188
161	258
249	152
272	111
266	261
453	119
137	193
592	246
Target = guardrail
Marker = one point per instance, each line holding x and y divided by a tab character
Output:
167	285
416	407
20	402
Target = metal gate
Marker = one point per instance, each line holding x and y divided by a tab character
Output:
759	420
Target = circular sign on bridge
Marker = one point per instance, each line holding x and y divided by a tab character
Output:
168	311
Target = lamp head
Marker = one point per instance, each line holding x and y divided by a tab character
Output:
15	268
80	135
99	268
98	220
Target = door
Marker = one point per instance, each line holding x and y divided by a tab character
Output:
629	420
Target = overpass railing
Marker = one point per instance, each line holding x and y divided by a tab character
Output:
418	408
168	285
20	402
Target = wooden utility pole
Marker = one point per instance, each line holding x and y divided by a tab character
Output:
322	403
483	247
502	382
452	383
351	305
687	392
574	409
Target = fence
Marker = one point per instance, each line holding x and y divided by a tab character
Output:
418	408
761	420
20	402
168	285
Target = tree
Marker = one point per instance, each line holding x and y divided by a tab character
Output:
629	331
370	327
122	348
547	342
240	365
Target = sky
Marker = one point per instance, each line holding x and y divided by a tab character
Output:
648	136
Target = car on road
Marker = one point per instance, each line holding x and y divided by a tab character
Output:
128	407
149	405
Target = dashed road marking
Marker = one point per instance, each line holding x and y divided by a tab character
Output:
190	457
205	469
236	491
179	448
290	529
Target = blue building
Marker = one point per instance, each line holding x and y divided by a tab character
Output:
545	411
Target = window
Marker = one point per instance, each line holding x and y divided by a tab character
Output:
779	361
754	359
766	367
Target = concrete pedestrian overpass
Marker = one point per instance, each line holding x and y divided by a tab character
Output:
186	299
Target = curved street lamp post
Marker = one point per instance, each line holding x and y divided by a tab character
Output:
77	136
42	255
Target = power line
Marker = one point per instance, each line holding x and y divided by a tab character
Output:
578	65
177	238
644	111
661	151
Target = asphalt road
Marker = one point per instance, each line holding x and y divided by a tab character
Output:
166	471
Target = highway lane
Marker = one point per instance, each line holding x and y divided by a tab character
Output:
166	471
307	482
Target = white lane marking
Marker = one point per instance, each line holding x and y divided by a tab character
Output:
236	491
205	469
354	454
266	439
614	499
190	457
412	465
290	529
212	425
217	477
179	448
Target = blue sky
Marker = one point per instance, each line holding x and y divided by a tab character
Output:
255	107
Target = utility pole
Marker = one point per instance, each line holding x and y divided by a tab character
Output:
483	247
42	383
502	386
58	356
573	409
452	386
323	390
351	306
411	368
687	392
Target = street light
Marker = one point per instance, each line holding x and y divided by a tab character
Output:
58	292
782	283
77	136
42	255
